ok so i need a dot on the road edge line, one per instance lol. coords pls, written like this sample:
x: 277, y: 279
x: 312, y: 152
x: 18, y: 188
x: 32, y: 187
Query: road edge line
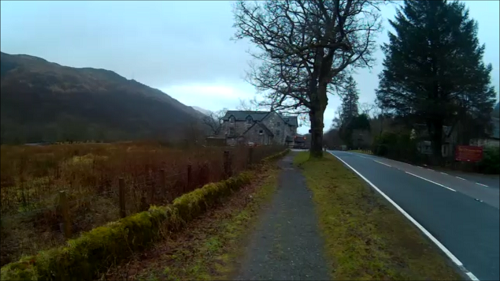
x: 447, y: 252
x: 438, y: 184
x: 383, y: 163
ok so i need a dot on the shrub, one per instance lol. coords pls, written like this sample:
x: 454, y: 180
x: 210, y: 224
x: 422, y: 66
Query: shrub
x: 396, y: 146
x: 491, y: 161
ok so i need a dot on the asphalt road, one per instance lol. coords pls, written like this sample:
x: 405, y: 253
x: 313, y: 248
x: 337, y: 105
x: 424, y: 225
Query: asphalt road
x: 462, y: 214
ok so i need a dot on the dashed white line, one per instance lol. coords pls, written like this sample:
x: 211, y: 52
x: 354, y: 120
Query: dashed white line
x: 481, y: 184
x: 383, y: 163
x: 461, y: 178
x: 418, y: 225
x: 444, y: 173
x: 431, y: 181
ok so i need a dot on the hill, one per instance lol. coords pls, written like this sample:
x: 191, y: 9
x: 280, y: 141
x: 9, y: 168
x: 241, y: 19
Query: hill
x: 202, y: 110
x: 43, y: 101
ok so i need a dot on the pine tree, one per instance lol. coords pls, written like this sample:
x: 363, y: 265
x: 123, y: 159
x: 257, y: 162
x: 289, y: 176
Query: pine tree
x: 349, y: 110
x: 350, y: 98
x: 433, y: 70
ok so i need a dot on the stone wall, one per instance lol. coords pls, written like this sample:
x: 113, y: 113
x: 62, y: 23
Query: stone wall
x: 239, y: 127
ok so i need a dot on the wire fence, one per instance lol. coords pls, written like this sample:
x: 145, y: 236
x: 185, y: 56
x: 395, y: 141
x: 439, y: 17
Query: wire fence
x: 127, y: 194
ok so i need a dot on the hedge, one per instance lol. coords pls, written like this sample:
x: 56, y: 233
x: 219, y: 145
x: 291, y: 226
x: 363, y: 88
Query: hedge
x: 94, y: 251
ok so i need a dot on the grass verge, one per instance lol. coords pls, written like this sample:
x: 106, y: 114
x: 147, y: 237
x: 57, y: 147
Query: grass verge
x: 207, y: 249
x: 365, y: 237
x: 362, y: 151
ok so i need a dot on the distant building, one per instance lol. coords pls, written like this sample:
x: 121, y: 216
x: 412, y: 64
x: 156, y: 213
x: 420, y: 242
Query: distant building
x: 494, y: 137
x: 258, y: 127
x: 424, y: 145
x: 450, y: 138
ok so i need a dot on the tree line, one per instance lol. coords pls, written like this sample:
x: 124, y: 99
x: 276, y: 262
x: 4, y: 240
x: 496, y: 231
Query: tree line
x: 433, y: 70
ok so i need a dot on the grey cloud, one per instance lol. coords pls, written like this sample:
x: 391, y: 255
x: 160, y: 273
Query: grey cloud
x: 167, y: 44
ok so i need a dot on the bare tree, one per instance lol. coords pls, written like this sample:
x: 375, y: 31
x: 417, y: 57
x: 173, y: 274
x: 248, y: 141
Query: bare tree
x: 307, y: 48
x: 214, y: 121
x: 249, y: 105
x: 368, y: 108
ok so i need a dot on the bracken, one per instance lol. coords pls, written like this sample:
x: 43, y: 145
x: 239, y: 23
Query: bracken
x: 94, y: 251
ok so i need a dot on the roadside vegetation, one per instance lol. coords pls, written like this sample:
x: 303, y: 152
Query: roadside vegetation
x: 32, y: 177
x: 208, y: 248
x: 366, y: 239
x: 362, y: 151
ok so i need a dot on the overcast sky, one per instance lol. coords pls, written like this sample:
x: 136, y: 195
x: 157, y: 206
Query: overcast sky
x: 181, y: 48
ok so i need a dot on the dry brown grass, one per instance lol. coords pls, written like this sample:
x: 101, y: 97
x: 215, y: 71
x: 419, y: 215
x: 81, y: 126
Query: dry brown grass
x: 32, y: 176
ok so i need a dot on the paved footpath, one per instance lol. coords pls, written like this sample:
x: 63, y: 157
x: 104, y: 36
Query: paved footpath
x: 286, y: 244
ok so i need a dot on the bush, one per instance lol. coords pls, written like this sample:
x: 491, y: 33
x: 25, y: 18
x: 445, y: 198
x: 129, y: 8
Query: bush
x: 395, y: 146
x: 491, y: 161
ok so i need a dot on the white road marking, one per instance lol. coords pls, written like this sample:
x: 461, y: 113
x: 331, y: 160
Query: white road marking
x: 431, y: 181
x: 481, y: 184
x: 471, y: 276
x: 382, y: 163
x: 444, y: 173
x: 418, y: 225
x: 362, y: 156
x: 461, y: 178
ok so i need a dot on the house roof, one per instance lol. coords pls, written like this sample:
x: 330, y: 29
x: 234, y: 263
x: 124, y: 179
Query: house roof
x: 422, y: 129
x: 496, y: 128
x: 496, y: 111
x: 241, y: 115
x: 264, y: 128
x: 291, y: 120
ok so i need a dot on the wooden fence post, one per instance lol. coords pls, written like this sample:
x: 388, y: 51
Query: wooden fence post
x: 121, y: 196
x: 250, y: 156
x: 63, y: 203
x: 227, y: 164
x: 163, y: 182
x: 189, y: 177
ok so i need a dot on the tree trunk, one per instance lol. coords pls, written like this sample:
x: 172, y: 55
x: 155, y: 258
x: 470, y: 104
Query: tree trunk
x: 437, y: 141
x: 316, y: 116
x: 316, y: 150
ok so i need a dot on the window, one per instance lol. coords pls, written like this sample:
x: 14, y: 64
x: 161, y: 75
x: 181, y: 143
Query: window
x: 231, y: 131
x: 249, y: 120
x: 261, y: 132
x: 231, y: 119
x: 277, y: 132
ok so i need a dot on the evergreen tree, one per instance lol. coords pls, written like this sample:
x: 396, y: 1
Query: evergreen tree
x: 433, y: 70
x: 349, y: 110
x: 350, y: 98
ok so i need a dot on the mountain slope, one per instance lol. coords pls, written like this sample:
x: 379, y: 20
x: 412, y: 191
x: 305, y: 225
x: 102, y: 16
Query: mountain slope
x: 202, y: 110
x: 44, y: 101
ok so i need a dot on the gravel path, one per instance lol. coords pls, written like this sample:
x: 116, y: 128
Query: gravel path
x: 286, y: 244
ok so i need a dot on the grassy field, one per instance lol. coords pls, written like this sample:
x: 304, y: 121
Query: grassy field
x: 33, y: 176
x: 366, y: 238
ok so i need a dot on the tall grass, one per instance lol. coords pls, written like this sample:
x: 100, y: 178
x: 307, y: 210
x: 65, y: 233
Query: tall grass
x: 32, y: 176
